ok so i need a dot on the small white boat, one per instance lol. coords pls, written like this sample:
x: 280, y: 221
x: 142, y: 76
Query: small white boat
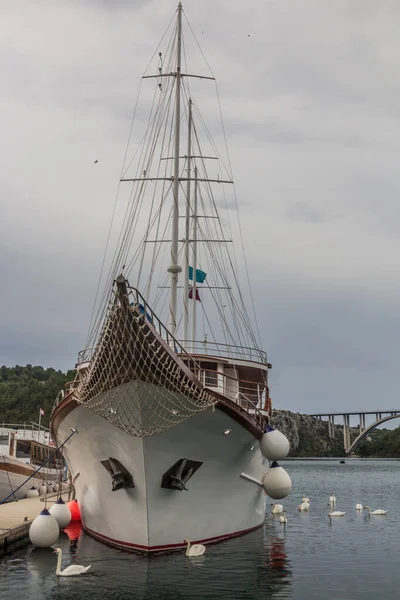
x: 23, y: 448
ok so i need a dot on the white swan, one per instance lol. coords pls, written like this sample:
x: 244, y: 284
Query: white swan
x: 303, y: 507
x: 332, y: 499
x: 359, y: 506
x: 283, y: 518
x: 71, y: 570
x: 378, y: 511
x: 336, y: 513
x: 277, y: 509
x: 305, y: 499
x: 195, y: 550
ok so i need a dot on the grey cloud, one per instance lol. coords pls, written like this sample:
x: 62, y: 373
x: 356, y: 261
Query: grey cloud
x: 311, y: 110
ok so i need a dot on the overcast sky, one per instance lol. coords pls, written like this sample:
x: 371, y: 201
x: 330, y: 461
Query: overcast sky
x: 310, y: 93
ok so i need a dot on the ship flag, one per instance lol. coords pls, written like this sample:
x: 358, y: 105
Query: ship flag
x: 200, y: 275
x: 197, y: 294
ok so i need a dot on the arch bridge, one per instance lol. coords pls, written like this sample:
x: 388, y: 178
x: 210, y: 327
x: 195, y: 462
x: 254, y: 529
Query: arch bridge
x: 380, y: 417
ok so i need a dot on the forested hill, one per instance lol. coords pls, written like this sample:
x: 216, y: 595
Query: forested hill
x: 24, y: 390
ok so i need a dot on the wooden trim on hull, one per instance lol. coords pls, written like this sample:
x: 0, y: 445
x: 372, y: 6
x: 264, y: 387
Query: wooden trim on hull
x: 63, y: 409
x: 164, y: 548
x: 20, y: 470
x: 238, y: 414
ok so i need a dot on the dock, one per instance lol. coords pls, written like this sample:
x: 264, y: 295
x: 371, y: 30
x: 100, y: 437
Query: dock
x: 16, y: 518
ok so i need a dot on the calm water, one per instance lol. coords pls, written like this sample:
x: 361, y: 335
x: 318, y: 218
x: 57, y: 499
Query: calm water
x: 355, y: 557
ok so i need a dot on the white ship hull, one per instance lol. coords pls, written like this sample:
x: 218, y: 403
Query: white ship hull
x: 218, y: 502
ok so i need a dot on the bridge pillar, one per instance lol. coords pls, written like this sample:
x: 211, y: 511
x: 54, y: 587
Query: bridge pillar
x: 362, y: 422
x: 331, y: 426
x: 346, y: 432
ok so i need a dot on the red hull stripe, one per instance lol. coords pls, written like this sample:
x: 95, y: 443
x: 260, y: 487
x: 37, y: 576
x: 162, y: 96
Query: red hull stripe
x: 140, y: 547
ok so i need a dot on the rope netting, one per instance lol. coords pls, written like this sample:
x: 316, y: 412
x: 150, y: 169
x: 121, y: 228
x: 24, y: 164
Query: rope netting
x: 139, y: 377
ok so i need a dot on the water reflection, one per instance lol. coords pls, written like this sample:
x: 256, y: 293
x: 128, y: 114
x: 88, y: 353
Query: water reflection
x: 278, y: 561
x: 313, y: 558
x: 73, y: 531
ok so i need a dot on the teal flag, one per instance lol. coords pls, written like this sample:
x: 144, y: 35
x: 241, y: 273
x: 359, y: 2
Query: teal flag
x: 200, y: 275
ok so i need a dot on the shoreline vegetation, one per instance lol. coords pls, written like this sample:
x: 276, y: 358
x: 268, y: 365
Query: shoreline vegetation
x: 25, y: 389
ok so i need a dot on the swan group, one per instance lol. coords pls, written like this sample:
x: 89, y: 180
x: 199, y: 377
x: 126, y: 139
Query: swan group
x: 305, y: 507
x: 71, y: 570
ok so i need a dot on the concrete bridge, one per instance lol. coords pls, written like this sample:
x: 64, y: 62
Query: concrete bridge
x: 379, y: 417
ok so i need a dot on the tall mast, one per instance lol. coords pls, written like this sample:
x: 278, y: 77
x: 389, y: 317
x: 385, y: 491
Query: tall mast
x: 194, y: 261
x: 187, y: 233
x: 174, y: 269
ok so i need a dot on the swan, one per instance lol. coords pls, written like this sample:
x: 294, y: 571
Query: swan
x: 359, y: 506
x: 195, y: 550
x: 283, y: 518
x: 336, y: 513
x: 378, y: 511
x: 303, y: 507
x: 71, y: 570
x: 305, y: 499
x: 277, y: 509
x: 332, y: 499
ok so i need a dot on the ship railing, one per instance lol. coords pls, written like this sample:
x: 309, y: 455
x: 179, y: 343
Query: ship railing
x: 184, y: 347
x: 85, y: 355
x: 249, y: 395
x: 137, y: 302
x: 204, y: 348
x: 260, y: 415
x: 216, y: 349
x: 234, y: 387
x: 27, y: 431
x: 24, y: 426
x: 69, y: 387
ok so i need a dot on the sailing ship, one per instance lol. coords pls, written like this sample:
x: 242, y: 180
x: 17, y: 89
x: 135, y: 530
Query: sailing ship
x: 169, y: 417
x: 24, y: 448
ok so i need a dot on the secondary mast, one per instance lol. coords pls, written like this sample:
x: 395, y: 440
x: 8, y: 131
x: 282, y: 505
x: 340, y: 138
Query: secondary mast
x: 174, y: 269
x: 194, y: 260
x: 187, y: 233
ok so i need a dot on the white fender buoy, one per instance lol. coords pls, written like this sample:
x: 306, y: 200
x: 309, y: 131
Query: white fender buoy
x: 274, y: 445
x: 32, y: 493
x: 44, y: 530
x: 42, y: 490
x: 61, y: 513
x: 277, y: 482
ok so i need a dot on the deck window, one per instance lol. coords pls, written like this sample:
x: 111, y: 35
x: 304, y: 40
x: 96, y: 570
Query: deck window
x: 210, y: 374
x: 23, y: 450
